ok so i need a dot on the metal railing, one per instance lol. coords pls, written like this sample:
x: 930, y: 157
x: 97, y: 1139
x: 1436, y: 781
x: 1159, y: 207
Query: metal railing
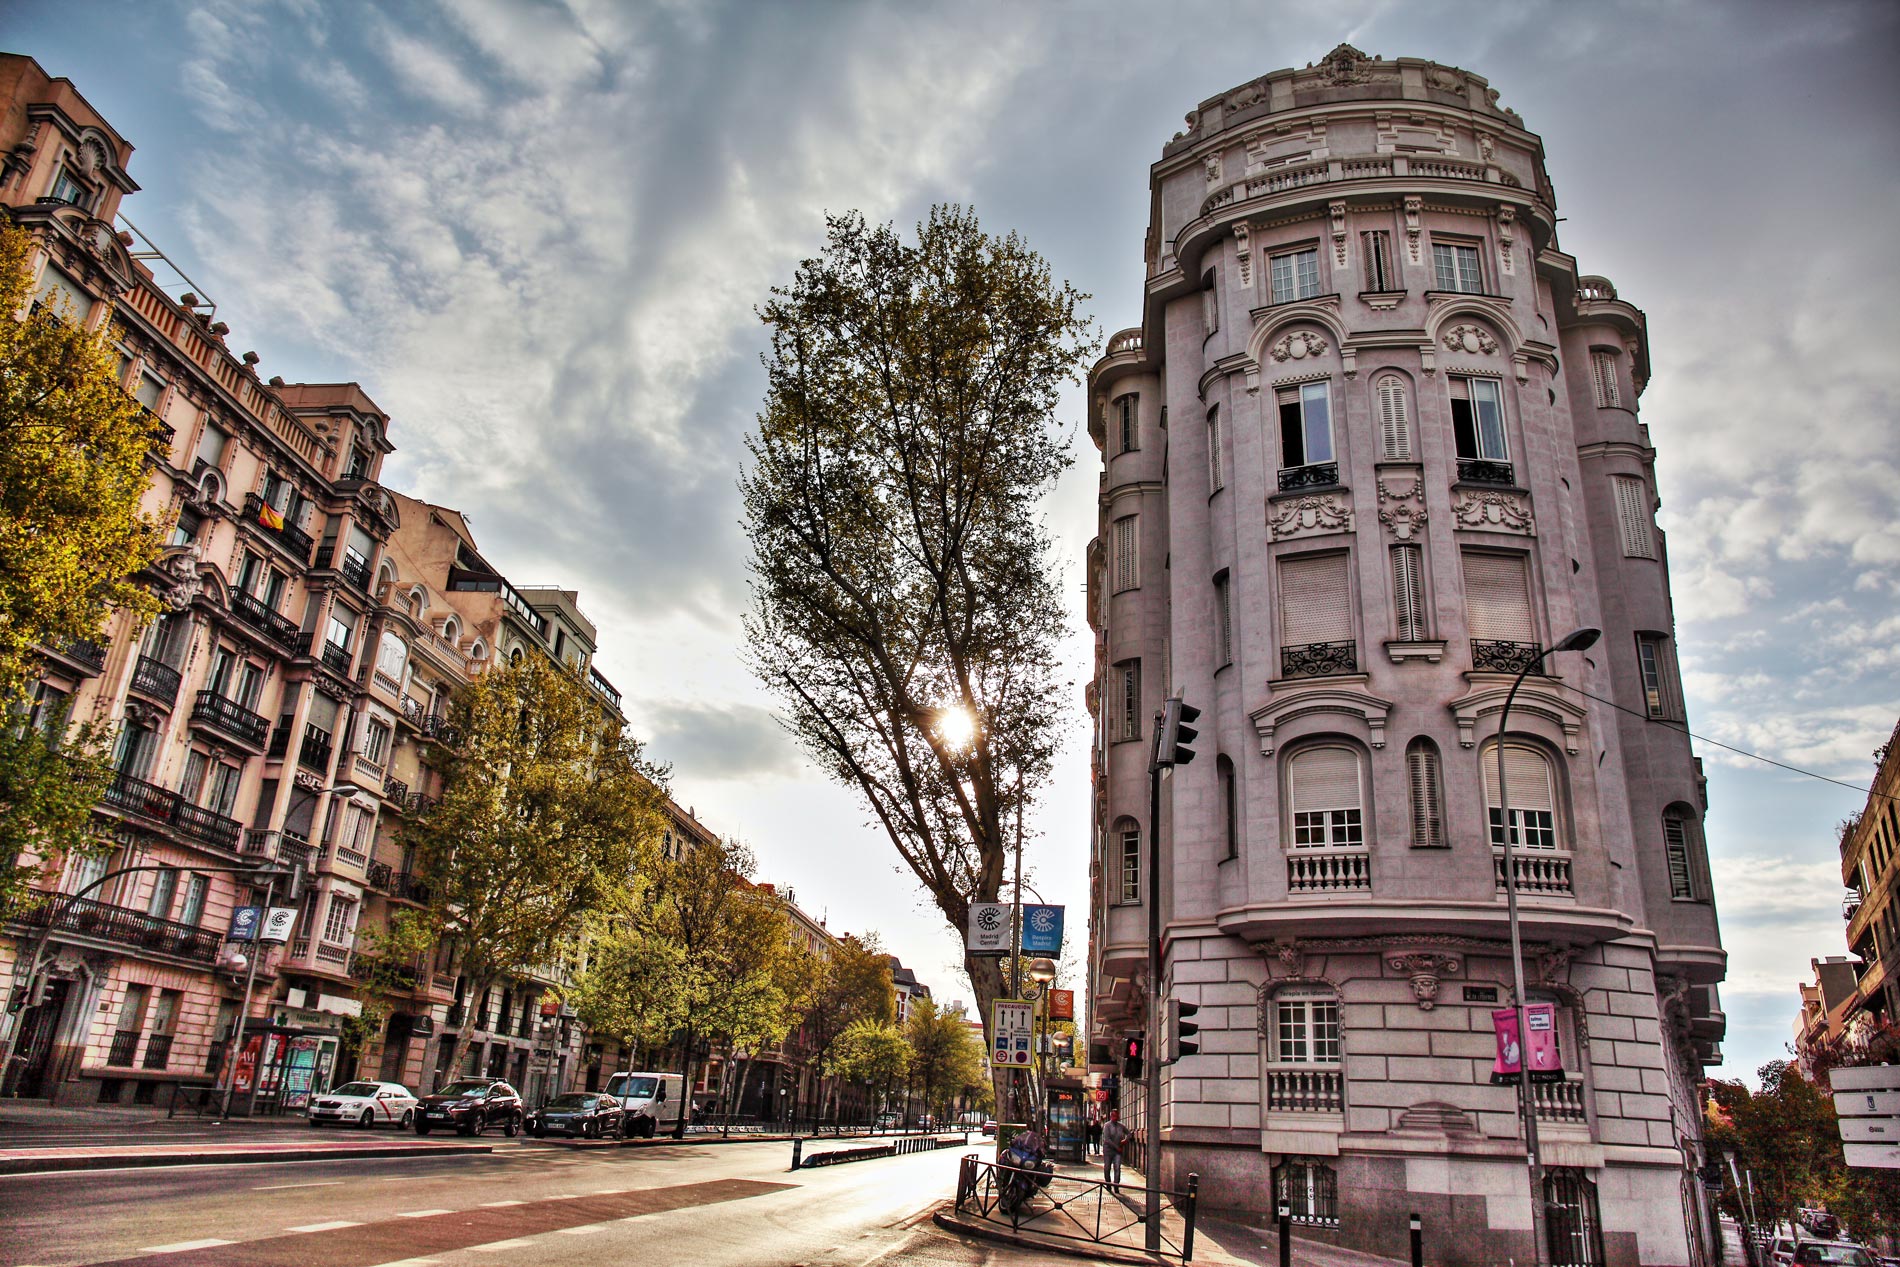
x: 1085, y: 1210
x: 337, y: 659
x: 253, y: 612
x: 1504, y: 657
x: 1312, y: 475
x: 87, y: 651
x: 314, y: 752
x: 155, y: 679
x: 295, y: 541
x: 1319, y: 659
x: 135, y: 796
x: 1486, y: 471
x: 125, y: 926
x: 124, y: 1048
x: 353, y: 569
x: 394, y: 788
x: 231, y: 717
x: 897, y: 1146
x: 158, y: 1051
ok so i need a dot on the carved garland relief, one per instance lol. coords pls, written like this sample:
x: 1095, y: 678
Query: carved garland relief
x: 1402, y: 509
x: 1309, y: 516
x: 1425, y: 968
x: 1493, y: 509
x: 1475, y: 340
x: 1298, y: 346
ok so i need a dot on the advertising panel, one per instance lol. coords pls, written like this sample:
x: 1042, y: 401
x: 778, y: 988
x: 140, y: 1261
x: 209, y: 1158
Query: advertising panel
x: 1538, y: 1043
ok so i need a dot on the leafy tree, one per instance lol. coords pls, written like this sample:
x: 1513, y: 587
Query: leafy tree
x: 905, y: 611
x: 946, y: 1059
x: 49, y: 783
x: 1786, y: 1133
x: 548, y: 812
x: 872, y: 1053
x: 851, y: 984
x: 628, y: 986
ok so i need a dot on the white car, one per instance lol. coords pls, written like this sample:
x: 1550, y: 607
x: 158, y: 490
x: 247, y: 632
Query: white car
x: 366, y: 1104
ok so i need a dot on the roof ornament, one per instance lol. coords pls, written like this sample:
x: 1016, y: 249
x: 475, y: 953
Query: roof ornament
x: 1345, y: 65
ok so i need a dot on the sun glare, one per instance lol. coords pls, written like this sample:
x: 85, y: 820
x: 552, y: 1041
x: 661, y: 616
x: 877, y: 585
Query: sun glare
x: 956, y: 727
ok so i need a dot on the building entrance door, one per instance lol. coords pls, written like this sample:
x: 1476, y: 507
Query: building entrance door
x: 33, y: 1054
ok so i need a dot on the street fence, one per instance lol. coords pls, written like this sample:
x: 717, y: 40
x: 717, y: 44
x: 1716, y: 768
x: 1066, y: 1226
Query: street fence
x: 897, y: 1147
x: 1085, y: 1210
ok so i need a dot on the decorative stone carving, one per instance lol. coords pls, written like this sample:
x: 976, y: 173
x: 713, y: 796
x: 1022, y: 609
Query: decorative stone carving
x: 1252, y: 95
x: 1290, y: 958
x: 1309, y: 516
x: 1402, y: 509
x: 1553, y: 966
x: 1243, y: 251
x: 1475, y: 340
x: 1211, y: 167
x: 1414, y: 208
x: 1298, y: 346
x: 1425, y: 968
x: 1338, y: 212
x: 1507, y: 217
x: 175, y: 575
x: 1345, y: 65
x: 1493, y: 509
x: 1444, y: 78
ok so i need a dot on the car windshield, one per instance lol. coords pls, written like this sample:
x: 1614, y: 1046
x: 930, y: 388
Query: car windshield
x: 571, y: 1101
x: 632, y: 1088
x: 473, y: 1089
x: 357, y: 1088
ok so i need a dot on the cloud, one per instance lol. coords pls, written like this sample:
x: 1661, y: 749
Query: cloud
x: 708, y: 742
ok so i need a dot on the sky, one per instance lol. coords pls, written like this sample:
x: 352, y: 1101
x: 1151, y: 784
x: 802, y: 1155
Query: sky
x: 536, y: 231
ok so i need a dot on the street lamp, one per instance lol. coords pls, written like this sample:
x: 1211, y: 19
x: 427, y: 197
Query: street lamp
x: 1577, y: 640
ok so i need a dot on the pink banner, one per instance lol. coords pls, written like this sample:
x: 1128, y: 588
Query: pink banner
x: 1539, y: 1041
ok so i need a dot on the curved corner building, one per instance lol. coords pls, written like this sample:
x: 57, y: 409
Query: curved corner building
x: 1374, y: 445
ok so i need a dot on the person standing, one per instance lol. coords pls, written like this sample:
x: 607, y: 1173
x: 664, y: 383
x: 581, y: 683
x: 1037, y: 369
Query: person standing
x: 1114, y: 1136
x: 1095, y: 1131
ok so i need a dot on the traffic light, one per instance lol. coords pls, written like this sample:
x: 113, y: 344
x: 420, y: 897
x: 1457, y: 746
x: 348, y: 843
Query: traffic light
x: 1177, y: 1037
x: 1177, y: 732
x: 1131, y: 1056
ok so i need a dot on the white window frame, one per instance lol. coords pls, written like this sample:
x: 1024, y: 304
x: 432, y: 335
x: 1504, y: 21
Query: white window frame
x: 339, y: 920
x: 1535, y: 829
x: 1303, y: 397
x: 1490, y: 438
x: 1326, y: 826
x: 1128, y: 862
x: 1652, y: 667
x: 1466, y: 271
x: 1679, y: 857
x: 1375, y: 249
x: 1127, y: 703
x: 1293, y: 275
x: 376, y: 738
x: 1306, y: 1028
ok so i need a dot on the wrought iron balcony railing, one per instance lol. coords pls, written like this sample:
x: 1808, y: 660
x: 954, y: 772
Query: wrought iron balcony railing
x: 149, y: 801
x: 1503, y: 657
x: 314, y: 752
x: 410, y: 888
x: 1319, y: 659
x: 395, y: 789
x: 125, y: 927
x: 1486, y: 471
x: 355, y: 570
x: 292, y: 539
x: 379, y: 875
x: 158, y: 1051
x: 231, y: 717
x: 156, y: 680
x: 125, y: 1046
x: 1312, y: 475
x: 336, y: 659
x: 85, y: 651
x: 252, y: 612
x: 209, y: 826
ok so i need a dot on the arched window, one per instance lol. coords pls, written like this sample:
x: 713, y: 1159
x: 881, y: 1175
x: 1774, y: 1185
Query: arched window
x: 1426, y: 786
x: 385, y: 575
x: 1127, y: 841
x: 418, y: 602
x: 514, y: 657
x: 1681, y: 847
x: 1323, y: 789
x: 1229, y: 804
x: 1310, y: 1189
x: 450, y: 632
x: 1532, y: 787
x: 1575, y: 1229
x: 478, y: 651
x: 1395, y: 431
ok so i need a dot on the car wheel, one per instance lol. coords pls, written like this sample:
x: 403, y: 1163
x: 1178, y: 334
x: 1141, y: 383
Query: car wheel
x: 540, y: 1132
x: 314, y: 1124
x: 591, y: 1130
x: 471, y: 1126
x: 367, y: 1120
x: 512, y: 1127
x: 408, y: 1118
x: 648, y: 1128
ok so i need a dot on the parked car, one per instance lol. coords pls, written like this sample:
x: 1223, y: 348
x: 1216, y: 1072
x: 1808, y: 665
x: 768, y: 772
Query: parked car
x: 889, y: 1119
x: 582, y: 1113
x: 1832, y: 1254
x: 471, y: 1106
x: 989, y: 1127
x: 1781, y: 1250
x: 366, y: 1104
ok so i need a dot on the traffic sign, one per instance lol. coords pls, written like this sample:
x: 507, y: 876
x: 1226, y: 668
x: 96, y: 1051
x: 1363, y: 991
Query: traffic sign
x: 1012, y: 1028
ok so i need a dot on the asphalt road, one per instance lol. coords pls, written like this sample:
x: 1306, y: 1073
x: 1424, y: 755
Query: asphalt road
x: 707, y: 1206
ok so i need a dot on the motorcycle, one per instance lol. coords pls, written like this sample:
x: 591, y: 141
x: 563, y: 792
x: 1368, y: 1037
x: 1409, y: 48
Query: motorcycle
x: 1024, y: 1172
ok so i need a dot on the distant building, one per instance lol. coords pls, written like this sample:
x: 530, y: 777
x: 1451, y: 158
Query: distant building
x: 1826, y: 1004
x: 909, y: 988
x: 1870, y: 870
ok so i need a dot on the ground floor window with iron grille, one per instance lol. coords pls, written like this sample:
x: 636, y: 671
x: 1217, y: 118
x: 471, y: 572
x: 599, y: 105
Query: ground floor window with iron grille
x: 1310, y: 1190
x: 1576, y: 1233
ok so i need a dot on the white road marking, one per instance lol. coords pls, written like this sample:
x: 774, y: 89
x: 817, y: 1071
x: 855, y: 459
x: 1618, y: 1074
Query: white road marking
x: 491, y: 1205
x: 420, y: 1214
x: 589, y: 1230
x: 324, y: 1227
x: 495, y: 1247
x: 180, y: 1247
x: 277, y: 1187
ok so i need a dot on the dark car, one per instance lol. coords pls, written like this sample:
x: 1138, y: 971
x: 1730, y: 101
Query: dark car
x: 577, y: 1113
x: 471, y: 1106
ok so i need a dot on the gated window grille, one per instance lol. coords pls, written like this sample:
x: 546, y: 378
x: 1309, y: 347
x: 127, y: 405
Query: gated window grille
x: 1310, y: 1190
x: 1575, y: 1231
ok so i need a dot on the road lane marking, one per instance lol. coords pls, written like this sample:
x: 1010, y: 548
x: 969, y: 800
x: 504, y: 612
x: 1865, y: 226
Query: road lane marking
x: 324, y: 1227
x: 319, y: 1183
x: 180, y: 1247
x: 420, y: 1214
x: 495, y: 1247
x: 491, y: 1205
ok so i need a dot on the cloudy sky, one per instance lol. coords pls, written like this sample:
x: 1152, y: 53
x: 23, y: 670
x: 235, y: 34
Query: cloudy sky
x: 536, y: 230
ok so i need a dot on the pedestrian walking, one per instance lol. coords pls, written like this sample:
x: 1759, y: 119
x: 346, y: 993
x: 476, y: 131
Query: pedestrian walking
x: 1114, y: 1136
x: 1095, y: 1131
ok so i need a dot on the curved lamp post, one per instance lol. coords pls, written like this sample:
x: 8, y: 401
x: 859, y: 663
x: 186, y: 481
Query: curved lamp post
x: 1576, y: 641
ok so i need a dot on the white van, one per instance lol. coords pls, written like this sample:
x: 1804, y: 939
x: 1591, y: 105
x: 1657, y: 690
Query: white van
x: 651, y: 1102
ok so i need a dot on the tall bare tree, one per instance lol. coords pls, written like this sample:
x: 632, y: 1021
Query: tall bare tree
x: 905, y: 610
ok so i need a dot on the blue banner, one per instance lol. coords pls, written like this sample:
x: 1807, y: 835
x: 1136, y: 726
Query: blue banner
x: 244, y: 922
x: 1042, y: 930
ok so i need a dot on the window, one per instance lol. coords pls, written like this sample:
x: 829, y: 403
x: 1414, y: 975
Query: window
x: 1427, y: 794
x: 1306, y: 1026
x: 1223, y: 620
x: 1127, y: 703
x: 1216, y: 460
x: 1408, y: 593
x: 1477, y: 419
x: 137, y: 747
x: 1532, y: 790
x: 357, y: 550
x: 250, y: 684
x: 339, y: 920
x: 149, y: 391
x: 1632, y: 517
x: 1651, y: 663
x: 391, y: 655
x: 197, y: 765
x: 86, y: 870
x: 194, y: 908
x: 164, y: 889
x: 1127, y: 553
x: 1603, y: 378
x: 375, y: 743
x: 1497, y: 598
x: 1315, y: 603
x: 341, y: 628
x: 1128, y: 846
x: 185, y: 531
x: 1127, y: 424
x: 1395, y: 436
x: 1294, y: 275
x: 69, y: 189
x: 1323, y: 790
x: 1229, y: 804
x: 1310, y: 1190
x: 63, y: 297
x: 1210, y: 302
x: 1456, y: 267
x: 224, y: 788
x: 211, y: 446
x: 1306, y: 427
x: 1676, y: 849
x: 1376, y: 250
x: 47, y: 714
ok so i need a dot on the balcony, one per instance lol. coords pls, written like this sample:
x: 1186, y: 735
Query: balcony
x: 1540, y: 872
x: 85, y: 652
x: 158, y: 1051
x: 1312, y: 475
x: 293, y: 540
x: 1486, y: 471
x: 602, y: 687
x: 160, y: 805
x: 208, y: 826
x: 1308, y: 1089
x: 419, y: 803
x: 431, y: 725
x: 156, y: 680
x: 123, y: 926
x: 1559, y: 1102
x: 394, y: 789
x: 1503, y: 657
x: 125, y: 1046
x: 230, y: 718
x: 410, y: 888
x: 1319, y: 659
x: 314, y: 752
x: 336, y: 659
x: 252, y: 612
x: 1328, y: 871
x: 353, y: 568
x: 379, y: 876
x: 287, y: 847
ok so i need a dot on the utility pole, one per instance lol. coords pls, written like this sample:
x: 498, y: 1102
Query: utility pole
x: 244, y: 1011
x: 1172, y: 735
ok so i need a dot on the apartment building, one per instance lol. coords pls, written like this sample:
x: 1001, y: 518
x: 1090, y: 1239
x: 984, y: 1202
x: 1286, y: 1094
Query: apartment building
x: 1870, y: 871
x: 1373, y: 447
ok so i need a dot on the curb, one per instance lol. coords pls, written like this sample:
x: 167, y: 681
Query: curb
x: 658, y: 1141
x: 100, y: 1161
x: 945, y: 1217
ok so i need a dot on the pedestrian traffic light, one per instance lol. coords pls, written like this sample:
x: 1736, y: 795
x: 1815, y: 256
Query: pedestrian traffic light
x: 1177, y: 733
x: 1177, y: 1037
x: 1131, y: 1056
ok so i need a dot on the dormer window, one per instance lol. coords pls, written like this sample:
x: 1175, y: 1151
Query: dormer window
x: 70, y: 190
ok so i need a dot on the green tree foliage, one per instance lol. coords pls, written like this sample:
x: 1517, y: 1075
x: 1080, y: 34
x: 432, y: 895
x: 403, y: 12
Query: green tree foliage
x: 73, y: 472
x: 548, y: 812
x: 1786, y: 1133
x: 851, y: 984
x: 871, y: 1053
x: 49, y: 782
x: 901, y: 576
x: 946, y: 1060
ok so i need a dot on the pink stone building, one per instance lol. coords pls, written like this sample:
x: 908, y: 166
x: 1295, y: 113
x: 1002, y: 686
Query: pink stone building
x: 1373, y: 445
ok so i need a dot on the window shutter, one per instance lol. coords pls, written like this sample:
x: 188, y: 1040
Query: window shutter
x: 1632, y: 517
x: 1223, y: 620
x: 1603, y: 376
x: 1325, y: 778
x: 1127, y: 564
x: 1497, y: 598
x: 1676, y: 844
x: 1394, y: 436
x: 1216, y: 475
x: 1528, y: 773
x: 1408, y: 592
x: 1315, y: 605
x: 1428, y: 810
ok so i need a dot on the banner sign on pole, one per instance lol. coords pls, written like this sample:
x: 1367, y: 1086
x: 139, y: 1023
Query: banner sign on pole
x: 244, y: 922
x: 278, y: 922
x: 989, y: 929
x: 1538, y: 1044
x: 1062, y: 1005
x: 1012, y: 1026
x: 1042, y: 930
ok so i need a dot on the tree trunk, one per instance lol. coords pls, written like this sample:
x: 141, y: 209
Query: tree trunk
x: 477, y: 995
x: 686, y: 1084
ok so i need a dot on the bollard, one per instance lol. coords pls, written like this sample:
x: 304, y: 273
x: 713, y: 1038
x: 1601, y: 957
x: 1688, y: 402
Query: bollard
x: 1286, y: 1235
x: 1187, y: 1237
x: 798, y: 1150
x: 1418, y: 1242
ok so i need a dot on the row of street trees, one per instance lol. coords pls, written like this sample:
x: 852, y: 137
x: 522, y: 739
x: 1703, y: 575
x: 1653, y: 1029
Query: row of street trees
x: 932, y: 1056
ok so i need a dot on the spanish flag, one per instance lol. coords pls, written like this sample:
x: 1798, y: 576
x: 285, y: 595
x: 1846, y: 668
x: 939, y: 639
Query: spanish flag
x: 269, y: 517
